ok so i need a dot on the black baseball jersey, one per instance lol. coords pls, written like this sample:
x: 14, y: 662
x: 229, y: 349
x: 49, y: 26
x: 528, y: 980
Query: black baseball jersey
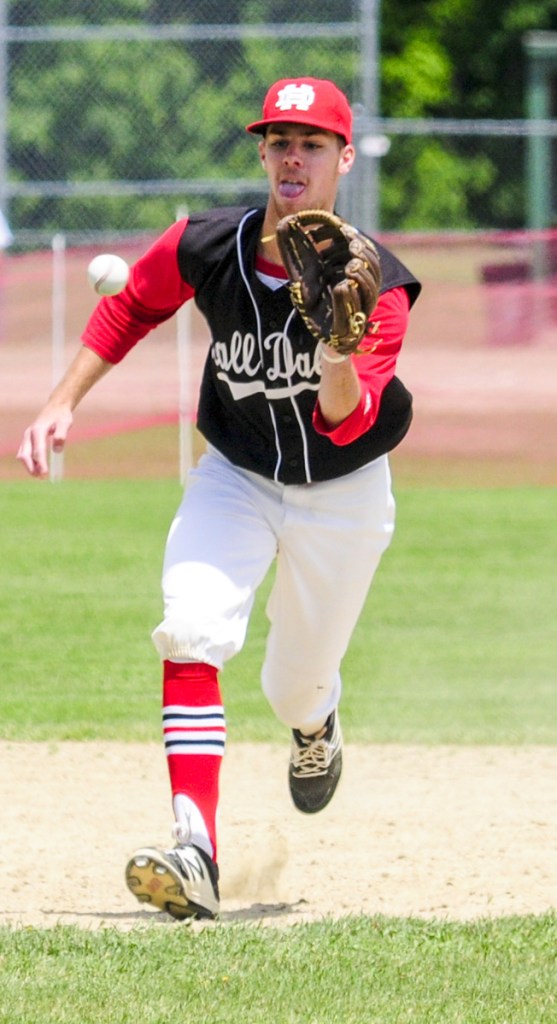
x: 262, y: 373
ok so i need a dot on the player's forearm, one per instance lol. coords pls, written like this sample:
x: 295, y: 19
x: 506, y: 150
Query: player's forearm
x: 339, y: 391
x: 83, y: 372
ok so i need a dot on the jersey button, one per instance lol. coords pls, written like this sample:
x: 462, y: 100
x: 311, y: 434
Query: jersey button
x: 293, y: 463
x: 287, y: 418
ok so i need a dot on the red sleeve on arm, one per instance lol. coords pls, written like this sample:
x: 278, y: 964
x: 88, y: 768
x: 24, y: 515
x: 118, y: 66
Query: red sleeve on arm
x: 155, y: 291
x: 375, y: 367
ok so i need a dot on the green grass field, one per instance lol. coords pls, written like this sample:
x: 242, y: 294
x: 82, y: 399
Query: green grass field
x: 356, y: 971
x: 456, y: 645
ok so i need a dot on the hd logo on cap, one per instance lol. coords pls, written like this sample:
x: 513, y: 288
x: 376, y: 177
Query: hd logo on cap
x: 299, y: 96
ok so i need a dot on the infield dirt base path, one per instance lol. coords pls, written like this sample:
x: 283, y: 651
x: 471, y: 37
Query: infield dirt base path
x: 449, y: 832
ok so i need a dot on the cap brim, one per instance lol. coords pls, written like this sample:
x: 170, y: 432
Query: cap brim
x: 292, y: 117
x: 259, y: 127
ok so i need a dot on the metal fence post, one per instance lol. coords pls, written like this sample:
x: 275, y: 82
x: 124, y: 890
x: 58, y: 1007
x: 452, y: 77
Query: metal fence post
x: 368, y: 170
x: 3, y: 109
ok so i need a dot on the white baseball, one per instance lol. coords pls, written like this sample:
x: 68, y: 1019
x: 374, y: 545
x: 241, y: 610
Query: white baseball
x: 108, y: 274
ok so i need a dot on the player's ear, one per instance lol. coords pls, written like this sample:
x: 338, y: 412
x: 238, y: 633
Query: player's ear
x: 261, y: 148
x: 346, y: 159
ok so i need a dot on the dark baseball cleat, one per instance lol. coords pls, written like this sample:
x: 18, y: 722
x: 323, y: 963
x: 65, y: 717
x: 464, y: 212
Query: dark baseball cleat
x: 315, y: 766
x: 183, y: 882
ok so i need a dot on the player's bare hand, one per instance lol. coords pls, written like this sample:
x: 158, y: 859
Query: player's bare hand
x: 49, y: 429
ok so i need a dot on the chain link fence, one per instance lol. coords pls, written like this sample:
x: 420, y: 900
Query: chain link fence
x: 111, y: 125
x: 114, y: 117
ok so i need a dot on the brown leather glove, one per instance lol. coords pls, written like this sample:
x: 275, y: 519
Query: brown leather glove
x: 334, y: 275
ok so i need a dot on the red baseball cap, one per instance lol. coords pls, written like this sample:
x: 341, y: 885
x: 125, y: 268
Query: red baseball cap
x: 313, y: 101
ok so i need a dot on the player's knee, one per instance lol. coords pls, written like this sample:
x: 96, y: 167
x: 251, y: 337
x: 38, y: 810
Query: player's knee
x: 301, y: 692
x: 293, y: 701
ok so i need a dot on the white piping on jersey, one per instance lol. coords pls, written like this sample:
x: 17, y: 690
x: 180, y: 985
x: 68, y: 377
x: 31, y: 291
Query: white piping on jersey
x: 294, y: 405
x: 292, y: 389
x: 246, y: 217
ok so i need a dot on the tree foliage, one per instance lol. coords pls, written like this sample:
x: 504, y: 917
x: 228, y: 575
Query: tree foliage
x: 458, y: 59
x: 119, y: 110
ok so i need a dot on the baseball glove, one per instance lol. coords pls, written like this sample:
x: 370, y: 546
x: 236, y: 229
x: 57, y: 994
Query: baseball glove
x: 334, y: 276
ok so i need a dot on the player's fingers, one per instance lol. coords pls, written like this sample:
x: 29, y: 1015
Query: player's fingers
x: 58, y: 441
x: 32, y: 453
x: 59, y: 430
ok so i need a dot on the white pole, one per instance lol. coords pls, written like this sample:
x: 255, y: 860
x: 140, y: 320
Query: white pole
x: 4, y: 17
x: 370, y: 49
x: 183, y: 338
x: 58, y: 333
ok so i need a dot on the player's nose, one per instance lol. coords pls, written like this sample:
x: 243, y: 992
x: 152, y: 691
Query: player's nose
x: 293, y: 154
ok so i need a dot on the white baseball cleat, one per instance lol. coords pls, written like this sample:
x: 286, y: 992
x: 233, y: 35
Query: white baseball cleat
x: 182, y: 882
x: 315, y: 766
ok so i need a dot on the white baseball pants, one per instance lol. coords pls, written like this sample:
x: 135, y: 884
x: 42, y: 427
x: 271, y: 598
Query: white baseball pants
x: 327, y: 539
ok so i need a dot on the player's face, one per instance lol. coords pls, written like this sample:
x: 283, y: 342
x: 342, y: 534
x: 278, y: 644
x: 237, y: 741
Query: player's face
x: 303, y: 165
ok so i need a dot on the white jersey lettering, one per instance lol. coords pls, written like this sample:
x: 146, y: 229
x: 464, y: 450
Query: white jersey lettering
x: 240, y: 355
x: 238, y: 363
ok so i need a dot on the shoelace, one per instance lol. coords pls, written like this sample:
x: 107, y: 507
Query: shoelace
x: 313, y: 758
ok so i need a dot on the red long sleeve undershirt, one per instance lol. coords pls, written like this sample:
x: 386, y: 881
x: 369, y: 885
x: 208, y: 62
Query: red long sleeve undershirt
x: 156, y: 291
x: 375, y: 367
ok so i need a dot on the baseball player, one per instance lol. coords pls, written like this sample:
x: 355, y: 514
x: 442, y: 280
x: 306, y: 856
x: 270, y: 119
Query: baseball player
x: 295, y: 472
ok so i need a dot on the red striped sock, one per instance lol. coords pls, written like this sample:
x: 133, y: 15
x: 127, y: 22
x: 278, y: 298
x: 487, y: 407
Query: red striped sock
x: 194, y: 736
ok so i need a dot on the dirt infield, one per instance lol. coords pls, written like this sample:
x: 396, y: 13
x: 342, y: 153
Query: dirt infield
x: 451, y: 833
